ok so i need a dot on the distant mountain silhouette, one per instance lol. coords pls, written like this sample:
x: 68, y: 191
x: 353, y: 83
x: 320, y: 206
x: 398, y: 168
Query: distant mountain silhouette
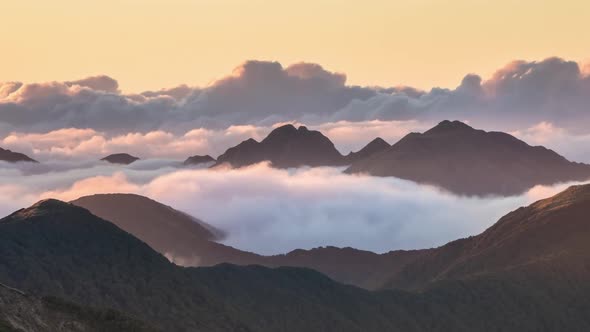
x: 467, y: 161
x: 375, y: 146
x: 196, y: 160
x: 120, y: 158
x: 285, y: 147
x: 13, y: 157
x: 529, y: 272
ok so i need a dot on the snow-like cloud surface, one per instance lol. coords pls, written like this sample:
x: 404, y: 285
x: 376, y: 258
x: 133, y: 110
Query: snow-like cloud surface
x: 273, y: 211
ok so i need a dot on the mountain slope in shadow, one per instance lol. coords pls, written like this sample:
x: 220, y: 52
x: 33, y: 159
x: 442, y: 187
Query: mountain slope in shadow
x: 55, y: 248
x: 21, y: 312
x: 188, y: 241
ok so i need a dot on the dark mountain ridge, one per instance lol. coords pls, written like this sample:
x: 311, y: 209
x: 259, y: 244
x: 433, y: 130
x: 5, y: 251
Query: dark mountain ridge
x: 190, y: 242
x: 287, y: 146
x: 180, y: 237
x: 375, y: 146
x: 120, y: 158
x: 196, y: 160
x: 542, y: 239
x: 399, y: 269
x: 466, y: 161
x: 475, y: 284
x: 14, y: 157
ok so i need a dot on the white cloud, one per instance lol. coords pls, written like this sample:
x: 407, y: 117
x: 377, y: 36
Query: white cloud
x: 273, y: 211
x: 88, y: 144
x: 572, y: 145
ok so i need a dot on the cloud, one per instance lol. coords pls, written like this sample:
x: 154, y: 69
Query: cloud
x: 273, y: 211
x: 572, y: 145
x: 89, y: 144
x: 261, y: 94
x: 99, y: 83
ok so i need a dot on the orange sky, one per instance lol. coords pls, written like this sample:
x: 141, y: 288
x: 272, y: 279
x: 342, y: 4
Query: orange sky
x: 150, y: 44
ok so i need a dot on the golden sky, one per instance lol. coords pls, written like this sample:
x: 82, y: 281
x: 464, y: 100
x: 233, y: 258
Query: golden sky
x: 151, y: 44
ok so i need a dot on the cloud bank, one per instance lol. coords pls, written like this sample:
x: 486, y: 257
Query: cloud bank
x: 272, y: 211
x: 88, y: 144
x: 264, y: 93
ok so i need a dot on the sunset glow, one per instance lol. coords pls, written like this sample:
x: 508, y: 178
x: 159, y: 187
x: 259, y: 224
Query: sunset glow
x: 152, y: 44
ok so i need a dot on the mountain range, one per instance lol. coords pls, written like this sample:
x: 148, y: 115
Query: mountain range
x: 189, y: 241
x: 452, y: 156
x: 467, y: 161
x: 285, y: 147
x: 528, y: 272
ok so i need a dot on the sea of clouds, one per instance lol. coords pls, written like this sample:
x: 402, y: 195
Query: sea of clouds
x: 272, y: 211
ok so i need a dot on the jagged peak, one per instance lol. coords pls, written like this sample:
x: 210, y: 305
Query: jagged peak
x: 378, y: 142
x: 284, y: 128
x: 448, y: 126
x: 249, y: 141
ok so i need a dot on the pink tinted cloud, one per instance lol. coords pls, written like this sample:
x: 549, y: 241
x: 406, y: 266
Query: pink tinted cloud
x: 273, y: 211
x: 72, y: 143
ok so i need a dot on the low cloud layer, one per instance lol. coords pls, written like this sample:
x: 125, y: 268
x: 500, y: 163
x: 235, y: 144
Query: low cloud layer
x: 264, y: 93
x: 272, y: 211
x: 89, y: 144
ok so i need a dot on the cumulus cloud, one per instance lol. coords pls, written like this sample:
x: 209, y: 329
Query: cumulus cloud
x: 99, y: 83
x: 264, y: 93
x: 572, y: 145
x: 273, y: 211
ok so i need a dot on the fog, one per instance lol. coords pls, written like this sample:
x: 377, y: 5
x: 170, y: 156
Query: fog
x: 271, y: 211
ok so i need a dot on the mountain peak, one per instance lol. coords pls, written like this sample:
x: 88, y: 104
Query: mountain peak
x: 42, y: 208
x: 375, y: 146
x: 13, y: 157
x: 377, y: 142
x: 448, y: 126
x: 285, y: 146
x: 120, y: 158
x: 469, y: 161
x: 49, y: 203
x: 197, y: 159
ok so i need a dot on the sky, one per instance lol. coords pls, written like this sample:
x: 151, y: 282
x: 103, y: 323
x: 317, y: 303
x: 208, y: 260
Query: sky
x: 153, y: 44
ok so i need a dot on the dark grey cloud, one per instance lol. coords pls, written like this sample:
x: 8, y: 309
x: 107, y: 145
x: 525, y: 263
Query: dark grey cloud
x: 263, y: 93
